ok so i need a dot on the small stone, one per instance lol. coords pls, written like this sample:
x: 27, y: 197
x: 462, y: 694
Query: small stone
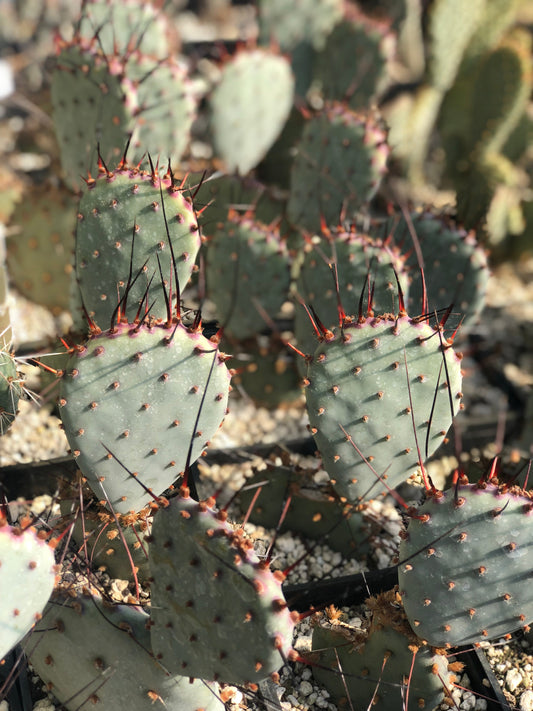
x: 306, y: 688
x: 513, y: 679
x: 526, y: 701
x: 468, y: 702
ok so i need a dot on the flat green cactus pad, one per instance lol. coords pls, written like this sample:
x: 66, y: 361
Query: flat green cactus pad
x: 27, y: 577
x: 340, y: 161
x: 380, y: 667
x: 122, y: 227
x: 381, y: 390
x: 465, y: 566
x: 138, y: 404
x: 218, y: 612
x: 249, y: 107
x: 92, y: 652
x: 308, y: 21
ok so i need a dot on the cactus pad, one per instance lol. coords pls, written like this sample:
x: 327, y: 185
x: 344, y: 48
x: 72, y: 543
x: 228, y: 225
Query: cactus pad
x: 466, y: 570
x: 356, y: 257
x: 379, y: 667
x: 27, y: 577
x: 308, y: 21
x: 198, y: 629
x: 249, y: 107
x: 92, y: 652
x: 39, y: 252
x: 455, y: 267
x: 121, y: 224
x: 247, y: 275
x: 381, y: 389
x: 124, y: 28
x: 340, y: 161
x: 352, y: 65
x: 153, y: 396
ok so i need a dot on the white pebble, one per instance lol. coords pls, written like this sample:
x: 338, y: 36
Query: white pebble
x: 306, y: 688
x: 307, y: 674
x: 526, y: 701
x: 469, y: 702
x: 513, y: 679
x: 7, y: 81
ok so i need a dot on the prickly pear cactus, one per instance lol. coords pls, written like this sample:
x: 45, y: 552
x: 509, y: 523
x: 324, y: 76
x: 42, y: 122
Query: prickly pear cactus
x: 380, y: 666
x: 308, y: 21
x: 139, y: 403
x: 314, y: 511
x: 27, y: 577
x: 455, y: 266
x: 465, y: 572
x: 357, y: 258
x: 197, y: 628
x: 92, y: 651
x: 125, y: 27
x: 340, y: 161
x: 122, y: 229
x: 381, y: 394
x: 352, y: 65
x: 113, y: 100
x: 249, y: 107
x: 247, y: 275
x: 40, y: 248
x: 11, y: 389
x: 266, y: 371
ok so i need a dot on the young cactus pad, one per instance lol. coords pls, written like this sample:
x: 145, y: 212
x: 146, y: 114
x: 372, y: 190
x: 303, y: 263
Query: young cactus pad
x: 466, y: 570
x: 249, y: 107
x: 92, y: 653
x: 379, y: 392
x: 27, y: 577
x: 147, y: 397
x: 122, y: 225
x: 217, y: 610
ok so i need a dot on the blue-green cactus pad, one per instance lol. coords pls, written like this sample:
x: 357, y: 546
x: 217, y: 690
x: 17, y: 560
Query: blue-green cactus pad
x: 249, y: 107
x: 153, y: 395
x: 91, y: 652
x: 27, y: 577
x: 122, y: 224
x: 218, y: 612
x: 465, y: 565
x: 372, y: 391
